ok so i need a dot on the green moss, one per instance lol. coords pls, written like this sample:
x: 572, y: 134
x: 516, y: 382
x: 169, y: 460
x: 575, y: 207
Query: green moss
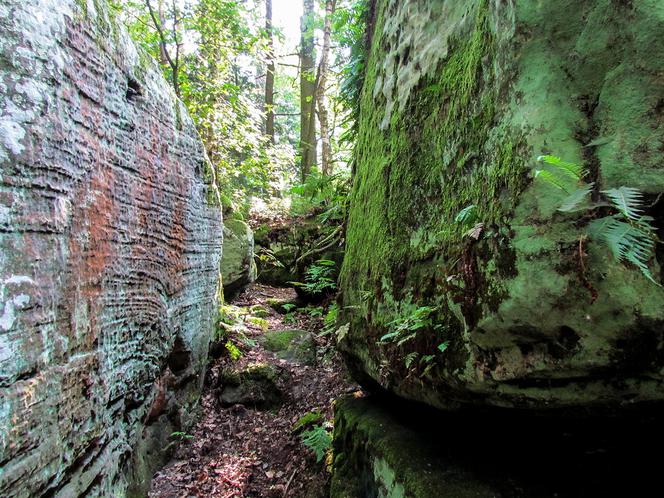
x: 441, y: 153
x: 280, y: 340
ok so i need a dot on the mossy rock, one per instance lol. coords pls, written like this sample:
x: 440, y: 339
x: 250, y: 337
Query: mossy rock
x: 256, y: 385
x: 458, y: 120
x: 284, y: 306
x: 293, y: 345
x: 376, y: 455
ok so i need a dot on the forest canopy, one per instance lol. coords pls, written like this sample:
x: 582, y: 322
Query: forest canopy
x: 276, y: 115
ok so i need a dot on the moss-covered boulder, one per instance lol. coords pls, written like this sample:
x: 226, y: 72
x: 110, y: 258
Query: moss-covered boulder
x: 286, y: 251
x: 459, y: 99
x: 257, y: 385
x: 238, y: 268
x: 291, y: 344
x: 407, y: 450
x: 376, y: 455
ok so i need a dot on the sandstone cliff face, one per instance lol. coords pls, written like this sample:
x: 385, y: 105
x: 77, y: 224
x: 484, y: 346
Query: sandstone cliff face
x: 109, y: 254
x: 459, y: 99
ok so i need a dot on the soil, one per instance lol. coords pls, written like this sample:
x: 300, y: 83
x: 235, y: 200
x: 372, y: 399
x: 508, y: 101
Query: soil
x: 241, y: 451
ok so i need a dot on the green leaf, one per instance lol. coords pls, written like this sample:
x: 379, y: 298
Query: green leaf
x: 627, y: 242
x: 576, y: 199
x: 572, y: 170
x: 410, y: 358
x: 318, y: 440
x: 551, y: 179
x: 443, y: 347
x: 467, y: 215
x: 626, y: 200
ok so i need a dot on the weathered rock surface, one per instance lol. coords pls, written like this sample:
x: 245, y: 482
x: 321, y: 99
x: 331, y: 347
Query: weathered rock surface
x: 238, y: 268
x: 109, y: 255
x: 459, y: 99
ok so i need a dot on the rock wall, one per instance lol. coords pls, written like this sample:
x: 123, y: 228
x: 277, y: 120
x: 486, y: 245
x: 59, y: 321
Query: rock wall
x: 109, y: 255
x: 459, y: 99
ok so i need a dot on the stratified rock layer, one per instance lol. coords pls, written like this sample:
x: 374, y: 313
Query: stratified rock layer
x: 459, y: 99
x: 109, y: 254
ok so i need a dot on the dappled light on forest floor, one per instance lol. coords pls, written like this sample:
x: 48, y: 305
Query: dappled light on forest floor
x: 245, y: 443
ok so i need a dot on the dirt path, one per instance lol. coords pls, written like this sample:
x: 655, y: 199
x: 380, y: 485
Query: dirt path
x: 249, y: 449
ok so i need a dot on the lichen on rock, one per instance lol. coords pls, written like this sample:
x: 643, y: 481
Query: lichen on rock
x: 109, y: 255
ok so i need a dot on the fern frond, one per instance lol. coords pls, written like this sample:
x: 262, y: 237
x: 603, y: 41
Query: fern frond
x: 576, y: 198
x: 626, y: 200
x: 318, y: 440
x: 410, y: 358
x: 627, y: 242
x: 572, y: 170
x: 552, y: 179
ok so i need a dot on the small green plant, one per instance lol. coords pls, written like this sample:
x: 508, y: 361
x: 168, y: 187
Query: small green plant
x: 318, y: 440
x: 330, y: 320
x: 181, y: 436
x: 628, y: 232
x: 405, y: 328
x: 320, y: 278
x: 288, y: 307
x: 233, y: 351
x: 307, y: 420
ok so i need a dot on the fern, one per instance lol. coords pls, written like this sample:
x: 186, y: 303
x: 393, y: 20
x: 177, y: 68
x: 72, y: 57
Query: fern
x: 410, y: 358
x: 576, y: 199
x: 318, y: 440
x: 629, y: 235
x: 626, y: 200
x: 571, y: 170
x: 627, y: 241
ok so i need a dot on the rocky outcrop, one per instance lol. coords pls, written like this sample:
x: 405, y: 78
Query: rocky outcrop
x: 404, y: 450
x: 287, y: 250
x: 109, y: 255
x: 238, y: 268
x: 520, y: 309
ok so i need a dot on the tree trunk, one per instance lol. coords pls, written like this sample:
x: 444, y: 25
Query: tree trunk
x: 321, y: 84
x: 307, y: 91
x: 269, y: 77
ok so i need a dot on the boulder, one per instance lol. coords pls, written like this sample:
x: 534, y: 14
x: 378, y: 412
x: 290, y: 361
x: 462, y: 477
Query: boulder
x: 109, y: 255
x: 459, y: 99
x: 257, y: 385
x: 291, y: 344
x: 389, y: 449
x: 238, y: 268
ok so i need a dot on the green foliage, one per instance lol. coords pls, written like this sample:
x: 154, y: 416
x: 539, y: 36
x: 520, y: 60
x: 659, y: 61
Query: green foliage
x: 628, y: 234
x: 349, y: 30
x: 181, y: 436
x: 233, y: 350
x: 467, y: 215
x: 404, y: 328
x: 317, y: 439
x: 320, y: 278
x: 325, y: 195
x: 307, y: 420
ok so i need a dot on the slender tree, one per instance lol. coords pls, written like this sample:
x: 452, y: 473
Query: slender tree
x: 269, y: 77
x: 307, y: 91
x: 173, y: 60
x: 321, y: 88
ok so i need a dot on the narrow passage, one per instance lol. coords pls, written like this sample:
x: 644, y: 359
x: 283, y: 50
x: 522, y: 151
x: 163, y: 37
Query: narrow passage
x: 246, y: 443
